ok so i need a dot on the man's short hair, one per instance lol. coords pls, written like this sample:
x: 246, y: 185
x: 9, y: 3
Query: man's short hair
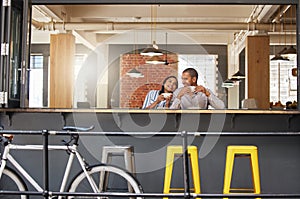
x: 192, y: 72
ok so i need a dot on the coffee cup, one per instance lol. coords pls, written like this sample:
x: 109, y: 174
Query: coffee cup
x: 166, y: 95
x: 192, y: 88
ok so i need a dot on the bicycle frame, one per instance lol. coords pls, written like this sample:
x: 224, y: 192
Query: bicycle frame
x: 73, y: 151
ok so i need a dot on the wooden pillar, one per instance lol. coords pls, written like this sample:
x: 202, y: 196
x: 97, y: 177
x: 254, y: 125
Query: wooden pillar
x: 258, y: 69
x: 62, y: 51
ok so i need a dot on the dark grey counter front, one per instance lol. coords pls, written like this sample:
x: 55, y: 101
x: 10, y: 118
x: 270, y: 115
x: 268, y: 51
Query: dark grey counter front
x: 279, y: 158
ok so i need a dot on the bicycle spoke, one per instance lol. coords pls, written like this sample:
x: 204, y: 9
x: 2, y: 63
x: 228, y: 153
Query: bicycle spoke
x: 117, y: 181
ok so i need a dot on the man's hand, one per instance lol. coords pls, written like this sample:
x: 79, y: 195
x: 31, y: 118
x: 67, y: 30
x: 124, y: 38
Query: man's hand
x: 202, y: 89
x: 183, y: 91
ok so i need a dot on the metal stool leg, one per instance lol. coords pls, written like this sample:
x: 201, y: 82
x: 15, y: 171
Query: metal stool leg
x: 107, y: 152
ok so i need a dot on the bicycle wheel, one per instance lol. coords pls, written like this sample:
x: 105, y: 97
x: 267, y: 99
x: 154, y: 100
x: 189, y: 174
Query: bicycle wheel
x: 118, y: 180
x: 10, y: 181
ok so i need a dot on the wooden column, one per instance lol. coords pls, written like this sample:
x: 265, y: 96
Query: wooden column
x: 62, y: 51
x: 257, y: 62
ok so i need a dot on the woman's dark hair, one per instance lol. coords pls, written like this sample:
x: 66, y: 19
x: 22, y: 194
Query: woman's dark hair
x: 162, y: 90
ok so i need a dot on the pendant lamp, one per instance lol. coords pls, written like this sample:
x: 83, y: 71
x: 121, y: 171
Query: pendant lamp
x: 291, y: 50
x: 228, y: 83
x: 134, y: 73
x: 155, y: 60
x: 152, y: 50
x: 238, y: 75
x: 279, y: 58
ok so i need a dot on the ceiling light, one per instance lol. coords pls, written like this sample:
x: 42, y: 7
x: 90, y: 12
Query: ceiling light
x: 279, y: 58
x: 290, y: 51
x: 134, y: 73
x: 228, y: 83
x: 152, y: 50
x: 238, y: 75
x: 282, y: 51
x: 155, y: 60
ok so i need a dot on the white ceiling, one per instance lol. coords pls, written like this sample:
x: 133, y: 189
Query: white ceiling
x: 205, y: 24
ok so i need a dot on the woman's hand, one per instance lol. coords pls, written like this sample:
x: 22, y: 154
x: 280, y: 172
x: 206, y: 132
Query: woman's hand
x: 168, y: 100
x: 157, y: 101
x: 160, y: 98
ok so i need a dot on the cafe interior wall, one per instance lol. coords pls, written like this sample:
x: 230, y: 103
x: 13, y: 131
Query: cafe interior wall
x: 114, y: 70
x: 102, y: 77
x: 133, y: 90
x: 116, y: 51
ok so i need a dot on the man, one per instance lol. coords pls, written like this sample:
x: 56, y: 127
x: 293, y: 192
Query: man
x: 193, y: 95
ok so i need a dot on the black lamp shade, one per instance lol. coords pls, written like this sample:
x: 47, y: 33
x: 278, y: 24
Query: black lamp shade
x: 279, y: 58
x: 134, y: 73
x: 282, y: 51
x: 228, y: 83
x: 155, y: 60
x: 238, y: 75
x: 290, y: 51
x: 151, y: 51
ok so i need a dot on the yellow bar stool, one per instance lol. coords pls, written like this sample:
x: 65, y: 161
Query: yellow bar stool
x: 241, y: 151
x: 193, y: 155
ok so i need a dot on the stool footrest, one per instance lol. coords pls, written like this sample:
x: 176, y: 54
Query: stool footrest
x: 180, y: 189
x: 241, y: 189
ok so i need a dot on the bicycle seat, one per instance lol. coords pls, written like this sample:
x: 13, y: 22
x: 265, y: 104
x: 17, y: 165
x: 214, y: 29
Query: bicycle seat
x: 77, y: 128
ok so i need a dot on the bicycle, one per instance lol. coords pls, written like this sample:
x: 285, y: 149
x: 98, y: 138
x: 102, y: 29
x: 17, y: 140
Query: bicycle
x: 87, y: 180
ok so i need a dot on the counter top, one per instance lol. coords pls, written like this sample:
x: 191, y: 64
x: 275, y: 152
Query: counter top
x: 154, y: 111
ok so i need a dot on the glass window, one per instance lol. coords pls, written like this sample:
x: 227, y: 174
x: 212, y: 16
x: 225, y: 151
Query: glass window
x: 36, y: 81
x: 283, y: 85
x: 206, y: 66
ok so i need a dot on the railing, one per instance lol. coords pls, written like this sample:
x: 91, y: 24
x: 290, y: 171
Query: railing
x: 187, y: 194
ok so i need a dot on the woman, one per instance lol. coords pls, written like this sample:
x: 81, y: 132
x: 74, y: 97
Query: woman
x: 160, y: 98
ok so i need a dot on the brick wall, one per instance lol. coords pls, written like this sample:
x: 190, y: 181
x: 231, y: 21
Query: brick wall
x: 134, y: 90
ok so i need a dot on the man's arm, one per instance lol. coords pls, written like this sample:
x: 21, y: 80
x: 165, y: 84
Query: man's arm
x: 214, y: 101
x: 175, y: 102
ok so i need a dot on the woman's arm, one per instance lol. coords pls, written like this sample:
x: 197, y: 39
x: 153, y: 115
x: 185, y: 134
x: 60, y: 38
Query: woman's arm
x: 156, y: 102
x: 152, y: 99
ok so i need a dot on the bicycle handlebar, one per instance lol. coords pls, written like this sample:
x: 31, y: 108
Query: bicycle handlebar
x: 75, y: 128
